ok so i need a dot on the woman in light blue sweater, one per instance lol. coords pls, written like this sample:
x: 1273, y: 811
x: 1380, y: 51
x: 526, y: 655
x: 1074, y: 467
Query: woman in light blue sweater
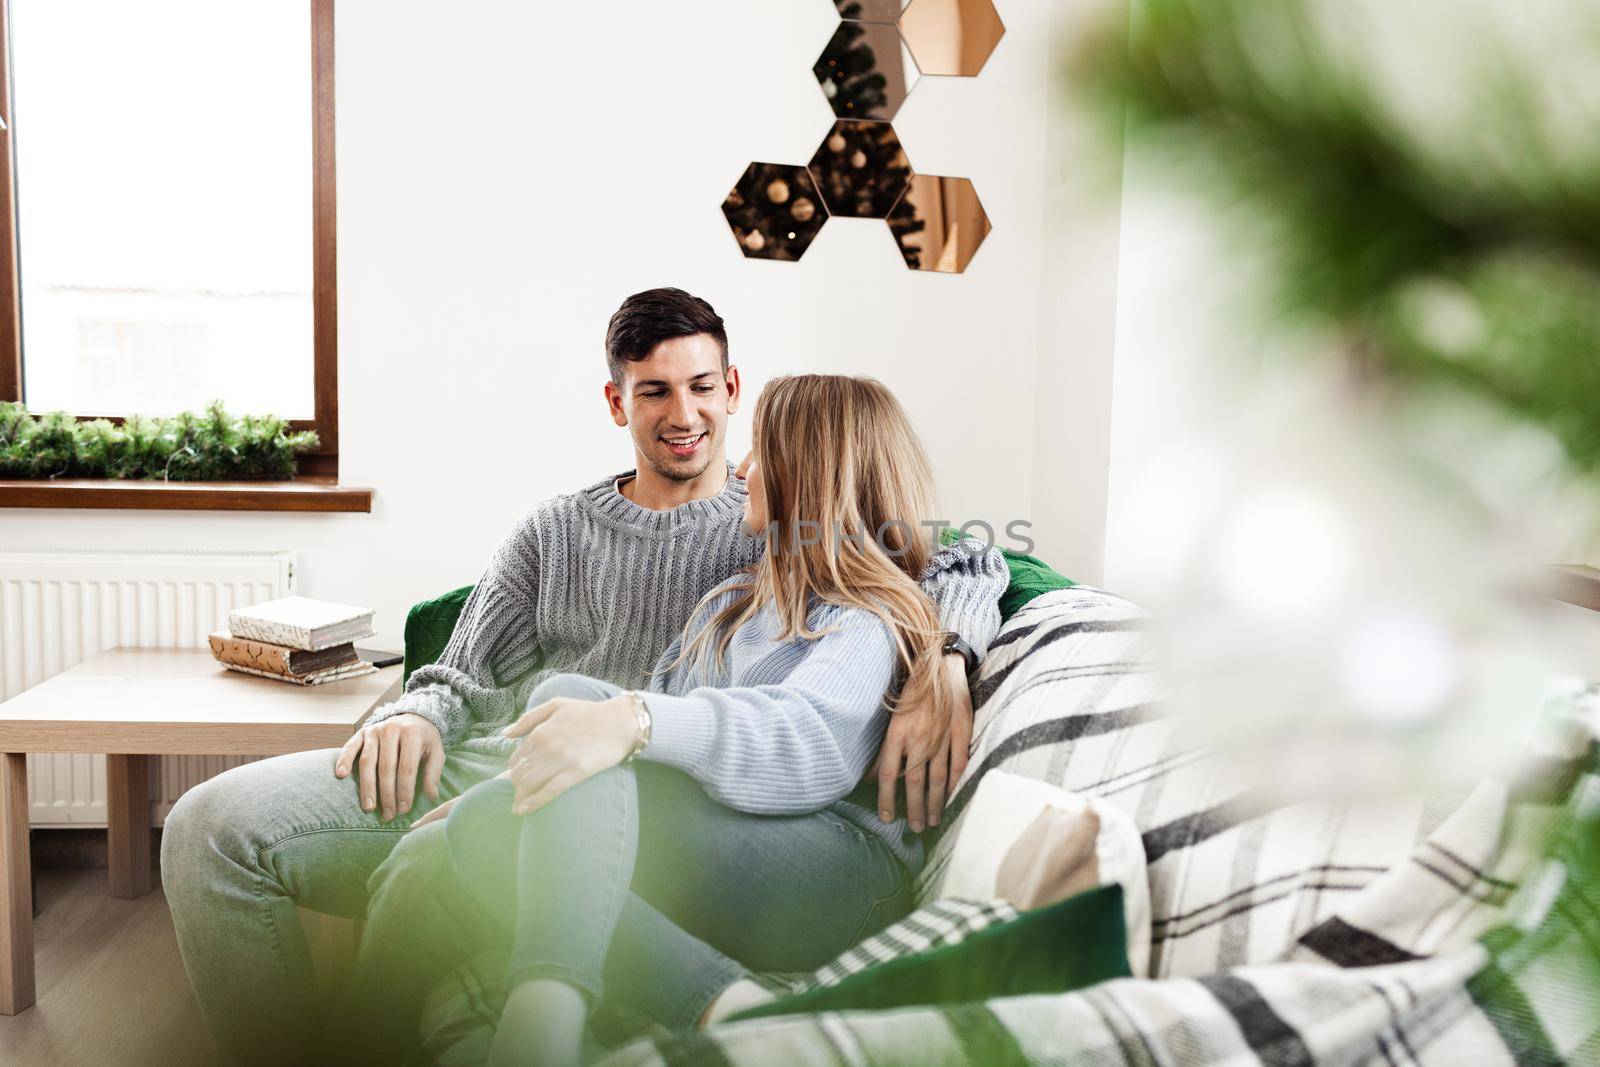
x: 656, y: 844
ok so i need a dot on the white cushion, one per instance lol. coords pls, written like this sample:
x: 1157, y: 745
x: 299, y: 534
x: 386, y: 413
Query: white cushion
x: 1002, y: 831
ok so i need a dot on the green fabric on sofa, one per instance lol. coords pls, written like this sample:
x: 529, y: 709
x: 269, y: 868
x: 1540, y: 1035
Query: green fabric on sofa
x: 430, y: 623
x: 1030, y: 577
x: 1068, y: 945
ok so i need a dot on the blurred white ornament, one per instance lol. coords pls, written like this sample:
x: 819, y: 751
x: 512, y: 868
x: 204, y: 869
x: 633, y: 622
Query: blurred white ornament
x: 1446, y: 317
x: 1283, y: 554
x: 1399, y: 666
x: 1349, y: 618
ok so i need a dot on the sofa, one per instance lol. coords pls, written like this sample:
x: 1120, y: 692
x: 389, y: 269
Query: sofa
x: 1461, y: 929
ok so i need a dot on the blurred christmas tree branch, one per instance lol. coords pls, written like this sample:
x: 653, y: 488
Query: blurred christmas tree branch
x: 1462, y: 253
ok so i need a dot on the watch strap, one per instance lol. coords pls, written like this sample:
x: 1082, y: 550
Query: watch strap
x: 954, y: 642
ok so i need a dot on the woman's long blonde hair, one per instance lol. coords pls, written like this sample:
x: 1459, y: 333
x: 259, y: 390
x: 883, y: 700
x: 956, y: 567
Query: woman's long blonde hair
x: 846, y: 484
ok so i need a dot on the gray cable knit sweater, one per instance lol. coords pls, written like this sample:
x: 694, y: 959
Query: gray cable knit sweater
x: 594, y: 584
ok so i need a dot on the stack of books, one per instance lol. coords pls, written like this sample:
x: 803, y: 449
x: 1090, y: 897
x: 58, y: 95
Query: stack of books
x: 295, y: 639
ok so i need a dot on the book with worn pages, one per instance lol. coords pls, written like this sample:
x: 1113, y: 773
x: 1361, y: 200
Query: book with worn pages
x: 332, y: 674
x: 279, y: 659
x: 300, y: 622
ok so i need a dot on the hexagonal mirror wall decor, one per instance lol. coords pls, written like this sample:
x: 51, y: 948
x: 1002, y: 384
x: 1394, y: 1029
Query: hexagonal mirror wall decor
x: 868, y: 68
x: 939, y: 223
x: 774, y: 211
x: 860, y: 169
x: 869, y: 10
x: 865, y: 71
x: 951, y: 37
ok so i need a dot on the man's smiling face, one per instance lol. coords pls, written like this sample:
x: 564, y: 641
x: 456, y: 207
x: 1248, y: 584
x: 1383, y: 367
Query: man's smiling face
x: 676, y: 402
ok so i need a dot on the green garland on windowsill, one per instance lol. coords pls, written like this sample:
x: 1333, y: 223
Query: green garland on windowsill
x: 209, y: 447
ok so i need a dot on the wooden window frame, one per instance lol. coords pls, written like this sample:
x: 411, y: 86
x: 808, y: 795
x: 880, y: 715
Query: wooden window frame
x: 315, y: 487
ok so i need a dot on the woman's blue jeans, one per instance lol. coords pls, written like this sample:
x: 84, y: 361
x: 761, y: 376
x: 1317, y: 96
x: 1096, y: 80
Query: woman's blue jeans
x: 637, y: 884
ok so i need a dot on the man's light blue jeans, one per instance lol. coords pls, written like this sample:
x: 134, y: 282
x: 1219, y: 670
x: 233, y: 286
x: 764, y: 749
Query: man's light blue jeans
x: 240, y: 851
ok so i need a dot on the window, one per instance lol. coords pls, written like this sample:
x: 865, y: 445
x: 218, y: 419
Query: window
x: 167, y: 209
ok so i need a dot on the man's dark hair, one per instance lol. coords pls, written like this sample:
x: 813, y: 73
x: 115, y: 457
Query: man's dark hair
x: 646, y: 319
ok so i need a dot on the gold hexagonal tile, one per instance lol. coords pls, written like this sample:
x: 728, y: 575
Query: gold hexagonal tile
x: 860, y: 169
x: 939, y: 223
x: 869, y: 10
x: 866, y: 71
x: 774, y: 211
x: 951, y: 37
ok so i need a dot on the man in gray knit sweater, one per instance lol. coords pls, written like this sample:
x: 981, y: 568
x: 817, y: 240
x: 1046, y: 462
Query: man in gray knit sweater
x: 596, y: 582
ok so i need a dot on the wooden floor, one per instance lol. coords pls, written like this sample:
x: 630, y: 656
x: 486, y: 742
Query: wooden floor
x: 111, y: 986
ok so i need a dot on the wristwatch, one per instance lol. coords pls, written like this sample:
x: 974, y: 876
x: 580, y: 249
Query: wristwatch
x: 642, y: 716
x: 953, y: 642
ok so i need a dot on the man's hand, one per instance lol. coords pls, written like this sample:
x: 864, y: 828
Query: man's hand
x: 386, y: 756
x: 915, y: 730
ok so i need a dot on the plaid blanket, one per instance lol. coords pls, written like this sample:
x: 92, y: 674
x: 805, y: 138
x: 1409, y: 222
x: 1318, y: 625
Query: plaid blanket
x: 1426, y: 931
x: 1069, y: 694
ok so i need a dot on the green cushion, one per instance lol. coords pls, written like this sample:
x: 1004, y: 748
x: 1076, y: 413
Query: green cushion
x: 428, y: 624
x: 1030, y: 577
x: 1054, y: 949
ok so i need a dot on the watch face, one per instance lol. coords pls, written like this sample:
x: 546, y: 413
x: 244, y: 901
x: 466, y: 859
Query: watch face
x: 954, y: 643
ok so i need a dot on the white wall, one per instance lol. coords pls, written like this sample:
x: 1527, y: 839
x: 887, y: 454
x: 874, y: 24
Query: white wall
x: 508, y: 172
x: 1079, y: 279
x: 1172, y: 282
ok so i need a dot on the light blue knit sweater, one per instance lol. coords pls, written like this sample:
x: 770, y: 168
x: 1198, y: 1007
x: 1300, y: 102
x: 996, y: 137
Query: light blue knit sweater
x: 784, y: 727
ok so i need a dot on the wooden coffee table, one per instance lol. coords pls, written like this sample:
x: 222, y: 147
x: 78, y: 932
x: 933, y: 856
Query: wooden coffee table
x: 133, y: 703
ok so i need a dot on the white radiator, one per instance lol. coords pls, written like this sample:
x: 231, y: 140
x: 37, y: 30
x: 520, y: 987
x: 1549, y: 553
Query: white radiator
x: 59, y: 608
